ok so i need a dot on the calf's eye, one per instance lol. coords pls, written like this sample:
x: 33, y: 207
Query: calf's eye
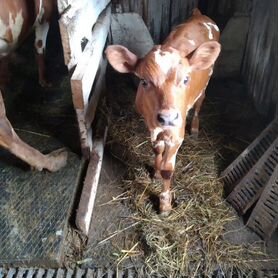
x: 144, y: 83
x: 185, y: 80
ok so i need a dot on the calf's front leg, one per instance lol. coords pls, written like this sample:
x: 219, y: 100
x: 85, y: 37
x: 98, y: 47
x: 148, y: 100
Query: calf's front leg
x: 167, y: 168
x: 10, y: 141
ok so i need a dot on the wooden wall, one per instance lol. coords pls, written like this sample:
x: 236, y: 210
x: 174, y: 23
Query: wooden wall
x: 159, y: 15
x: 260, y: 64
x: 225, y: 7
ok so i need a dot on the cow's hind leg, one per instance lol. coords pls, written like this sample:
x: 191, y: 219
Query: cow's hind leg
x: 10, y: 141
x: 41, y: 31
x: 195, y: 119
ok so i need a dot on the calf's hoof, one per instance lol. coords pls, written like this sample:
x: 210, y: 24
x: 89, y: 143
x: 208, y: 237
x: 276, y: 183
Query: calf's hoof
x: 157, y: 175
x: 45, y: 84
x: 194, y: 133
x: 165, y: 206
x: 57, y: 159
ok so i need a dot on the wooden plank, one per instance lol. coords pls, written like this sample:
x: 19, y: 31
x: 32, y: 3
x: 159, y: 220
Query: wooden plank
x: 259, y: 64
x: 86, y: 204
x: 97, y: 90
x: 126, y: 34
x: 153, y: 18
x: 85, y: 133
x: 77, y: 19
x: 85, y: 71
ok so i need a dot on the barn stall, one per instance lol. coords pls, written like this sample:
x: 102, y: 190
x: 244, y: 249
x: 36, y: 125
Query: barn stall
x: 111, y: 227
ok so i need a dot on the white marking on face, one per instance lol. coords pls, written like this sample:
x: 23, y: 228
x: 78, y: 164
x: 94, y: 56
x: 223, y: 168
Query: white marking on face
x: 209, y: 29
x: 166, y: 60
x: 192, y: 42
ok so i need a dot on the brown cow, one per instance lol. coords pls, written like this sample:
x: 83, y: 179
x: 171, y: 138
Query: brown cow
x: 17, y: 19
x: 174, y: 77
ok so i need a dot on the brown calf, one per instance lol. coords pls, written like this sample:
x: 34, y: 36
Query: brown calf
x: 174, y: 77
x: 17, y: 19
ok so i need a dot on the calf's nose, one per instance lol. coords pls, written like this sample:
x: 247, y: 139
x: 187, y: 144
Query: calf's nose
x: 168, y: 118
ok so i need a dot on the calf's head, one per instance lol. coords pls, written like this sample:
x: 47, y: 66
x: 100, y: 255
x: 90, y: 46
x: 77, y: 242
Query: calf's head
x: 166, y: 88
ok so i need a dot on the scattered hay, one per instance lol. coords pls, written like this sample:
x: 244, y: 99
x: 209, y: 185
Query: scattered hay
x: 190, y: 240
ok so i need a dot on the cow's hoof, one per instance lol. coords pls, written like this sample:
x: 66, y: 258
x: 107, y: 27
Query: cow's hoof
x: 45, y: 84
x: 165, y: 206
x: 57, y: 159
x: 165, y: 213
x: 194, y: 133
x: 157, y: 175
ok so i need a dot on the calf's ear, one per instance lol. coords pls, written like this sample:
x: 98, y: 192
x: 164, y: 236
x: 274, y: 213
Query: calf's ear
x: 120, y: 58
x: 205, y: 55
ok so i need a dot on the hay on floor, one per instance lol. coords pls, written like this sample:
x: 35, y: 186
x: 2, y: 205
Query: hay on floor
x: 190, y: 240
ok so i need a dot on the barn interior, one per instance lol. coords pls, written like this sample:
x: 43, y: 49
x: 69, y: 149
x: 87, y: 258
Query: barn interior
x: 207, y: 235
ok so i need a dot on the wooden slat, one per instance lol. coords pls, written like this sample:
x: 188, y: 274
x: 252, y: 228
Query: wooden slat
x: 126, y: 34
x: 85, y: 71
x: 159, y: 16
x: 260, y: 61
x: 97, y: 90
x: 87, y: 200
x: 85, y: 133
x: 77, y: 19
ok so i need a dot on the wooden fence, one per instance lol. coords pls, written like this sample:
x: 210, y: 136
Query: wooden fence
x: 159, y: 15
x: 260, y: 64
x: 84, y: 27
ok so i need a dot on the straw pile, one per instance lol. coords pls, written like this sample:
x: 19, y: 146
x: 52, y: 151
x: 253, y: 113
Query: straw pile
x: 190, y: 240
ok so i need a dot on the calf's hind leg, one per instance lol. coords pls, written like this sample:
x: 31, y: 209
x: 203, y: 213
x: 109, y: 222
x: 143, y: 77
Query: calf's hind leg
x: 195, y: 120
x: 10, y: 141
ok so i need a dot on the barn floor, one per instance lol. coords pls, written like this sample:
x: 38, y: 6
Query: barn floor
x: 114, y: 232
x: 36, y: 206
x: 39, y: 119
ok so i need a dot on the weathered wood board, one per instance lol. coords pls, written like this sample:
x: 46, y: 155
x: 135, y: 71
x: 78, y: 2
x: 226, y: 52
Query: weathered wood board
x: 159, y: 16
x: 233, y: 41
x: 84, y: 76
x: 260, y: 64
x: 87, y: 200
x: 76, y: 23
x: 126, y: 34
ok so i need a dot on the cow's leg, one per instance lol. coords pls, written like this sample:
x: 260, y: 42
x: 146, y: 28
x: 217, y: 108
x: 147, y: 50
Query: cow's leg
x: 195, y: 120
x: 41, y: 30
x: 10, y: 141
x: 167, y: 169
x: 158, y: 148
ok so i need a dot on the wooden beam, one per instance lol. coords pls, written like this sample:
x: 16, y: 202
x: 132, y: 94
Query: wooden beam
x: 84, y: 74
x: 88, y: 195
x: 76, y: 22
x: 97, y: 90
x: 85, y: 133
x: 135, y: 36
